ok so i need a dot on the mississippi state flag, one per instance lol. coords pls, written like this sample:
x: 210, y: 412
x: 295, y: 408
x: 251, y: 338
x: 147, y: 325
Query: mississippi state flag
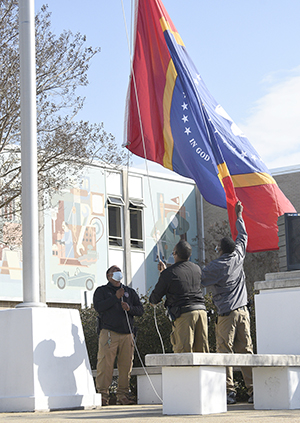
x: 172, y: 119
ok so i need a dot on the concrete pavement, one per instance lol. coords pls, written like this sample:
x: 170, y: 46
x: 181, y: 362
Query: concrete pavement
x: 238, y: 413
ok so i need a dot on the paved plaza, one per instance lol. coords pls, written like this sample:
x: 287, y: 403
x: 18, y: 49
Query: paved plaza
x: 238, y: 413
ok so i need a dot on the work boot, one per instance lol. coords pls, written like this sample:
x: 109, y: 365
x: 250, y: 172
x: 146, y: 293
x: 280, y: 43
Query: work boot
x: 105, y: 401
x: 124, y: 400
x: 231, y: 397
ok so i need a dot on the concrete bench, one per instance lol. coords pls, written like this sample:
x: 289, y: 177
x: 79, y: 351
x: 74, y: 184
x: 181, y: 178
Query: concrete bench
x: 195, y: 383
x: 145, y: 392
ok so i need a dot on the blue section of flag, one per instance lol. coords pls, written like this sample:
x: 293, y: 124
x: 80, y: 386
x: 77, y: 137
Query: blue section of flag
x: 192, y: 155
x: 203, y: 112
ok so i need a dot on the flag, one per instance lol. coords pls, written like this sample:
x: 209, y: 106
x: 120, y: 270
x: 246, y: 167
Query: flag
x: 172, y: 119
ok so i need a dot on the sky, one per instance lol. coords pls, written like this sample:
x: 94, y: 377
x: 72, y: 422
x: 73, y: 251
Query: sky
x: 246, y: 51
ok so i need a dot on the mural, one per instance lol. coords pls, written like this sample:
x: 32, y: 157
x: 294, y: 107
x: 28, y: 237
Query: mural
x: 170, y: 228
x: 11, y: 250
x: 11, y: 260
x: 77, y: 227
x: 76, y: 246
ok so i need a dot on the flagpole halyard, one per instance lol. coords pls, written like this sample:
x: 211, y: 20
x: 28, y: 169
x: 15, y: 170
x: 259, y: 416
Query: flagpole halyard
x: 142, y: 132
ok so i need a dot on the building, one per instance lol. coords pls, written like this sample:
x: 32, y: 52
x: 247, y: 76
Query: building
x: 124, y: 217
x: 115, y: 216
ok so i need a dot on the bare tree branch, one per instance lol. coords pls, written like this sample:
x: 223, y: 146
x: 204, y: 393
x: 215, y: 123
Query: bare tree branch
x: 65, y: 145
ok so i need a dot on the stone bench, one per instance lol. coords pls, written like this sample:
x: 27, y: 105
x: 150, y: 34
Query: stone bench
x: 195, y: 383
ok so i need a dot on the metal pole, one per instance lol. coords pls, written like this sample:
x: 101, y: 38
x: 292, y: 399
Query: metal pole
x: 29, y: 156
x: 200, y: 226
x: 127, y: 246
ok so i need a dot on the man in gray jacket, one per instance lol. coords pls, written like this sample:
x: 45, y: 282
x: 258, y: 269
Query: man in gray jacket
x: 226, y: 277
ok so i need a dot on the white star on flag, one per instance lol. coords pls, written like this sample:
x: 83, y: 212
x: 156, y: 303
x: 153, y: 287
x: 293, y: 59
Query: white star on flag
x: 184, y: 106
x: 187, y: 131
x: 185, y: 119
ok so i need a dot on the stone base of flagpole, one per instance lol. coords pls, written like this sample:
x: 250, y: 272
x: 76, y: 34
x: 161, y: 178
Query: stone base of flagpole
x: 44, y: 363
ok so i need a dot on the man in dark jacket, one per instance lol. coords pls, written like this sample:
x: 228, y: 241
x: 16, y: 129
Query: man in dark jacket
x: 184, y: 300
x: 116, y: 305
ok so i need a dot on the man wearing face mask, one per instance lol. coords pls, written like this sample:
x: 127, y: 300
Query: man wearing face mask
x: 113, y: 301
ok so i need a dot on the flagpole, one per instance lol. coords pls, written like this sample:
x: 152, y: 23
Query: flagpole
x: 30, y: 228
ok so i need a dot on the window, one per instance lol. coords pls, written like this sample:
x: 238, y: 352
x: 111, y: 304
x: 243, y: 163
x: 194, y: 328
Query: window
x: 115, y: 220
x: 114, y: 224
x: 136, y: 223
x: 117, y: 201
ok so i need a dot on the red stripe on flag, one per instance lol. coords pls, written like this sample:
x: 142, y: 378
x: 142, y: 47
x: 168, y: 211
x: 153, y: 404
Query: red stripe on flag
x: 263, y: 204
x: 231, y: 199
x: 150, y: 65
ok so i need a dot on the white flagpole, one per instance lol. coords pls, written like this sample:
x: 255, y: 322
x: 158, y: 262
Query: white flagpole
x: 29, y: 156
x: 31, y: 380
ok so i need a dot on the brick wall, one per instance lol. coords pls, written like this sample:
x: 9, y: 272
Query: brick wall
x: 289, y: 183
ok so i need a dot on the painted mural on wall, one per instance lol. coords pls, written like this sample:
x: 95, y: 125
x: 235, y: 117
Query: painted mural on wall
x: 76, y: 241
x: 11, y: 260
x: 171, y: 226
x: 11, y: 250
x: 77, y: 227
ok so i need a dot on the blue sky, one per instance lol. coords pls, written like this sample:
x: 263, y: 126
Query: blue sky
x: 246, y: 51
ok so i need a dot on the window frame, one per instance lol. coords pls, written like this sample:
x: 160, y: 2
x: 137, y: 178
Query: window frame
x: 137, y: 205
x: 115, y: 203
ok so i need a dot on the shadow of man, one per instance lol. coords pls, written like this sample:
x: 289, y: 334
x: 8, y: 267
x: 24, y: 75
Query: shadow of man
x: 56, y: 373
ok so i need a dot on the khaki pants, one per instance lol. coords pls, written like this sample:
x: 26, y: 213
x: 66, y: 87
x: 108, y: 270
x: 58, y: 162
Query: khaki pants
x: 190, y: 332
x: 112, y: 344
x: 233, y: 336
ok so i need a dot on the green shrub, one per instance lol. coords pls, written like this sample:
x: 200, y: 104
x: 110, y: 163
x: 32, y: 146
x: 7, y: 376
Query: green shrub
x: 89, y: 321
x: 211, y: 316
x: 148, y: 341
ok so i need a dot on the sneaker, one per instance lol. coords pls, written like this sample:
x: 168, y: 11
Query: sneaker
x: 250, y: 399
x: 231, y: 397
x: 125, y: 401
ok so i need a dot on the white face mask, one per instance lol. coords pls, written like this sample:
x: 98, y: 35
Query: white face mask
x: 117, y: 276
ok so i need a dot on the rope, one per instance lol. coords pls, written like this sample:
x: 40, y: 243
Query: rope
x: 150, y: 193
x: 140, y: 358
x: 156, y: 325
x: 142, y: 133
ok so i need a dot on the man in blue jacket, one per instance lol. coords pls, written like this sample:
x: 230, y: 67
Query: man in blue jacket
x: 116, y: 305
x: 226, y: 277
